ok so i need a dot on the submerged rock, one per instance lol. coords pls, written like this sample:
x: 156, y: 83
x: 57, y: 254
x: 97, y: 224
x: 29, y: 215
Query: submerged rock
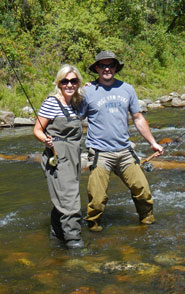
x: 84, y: 290
x: 20, y: 257
x: 168, y: 259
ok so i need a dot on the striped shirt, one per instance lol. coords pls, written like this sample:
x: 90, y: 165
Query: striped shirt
x: 50, y: 109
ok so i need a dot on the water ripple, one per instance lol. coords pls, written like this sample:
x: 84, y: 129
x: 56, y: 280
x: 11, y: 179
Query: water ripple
x: 7, y: 219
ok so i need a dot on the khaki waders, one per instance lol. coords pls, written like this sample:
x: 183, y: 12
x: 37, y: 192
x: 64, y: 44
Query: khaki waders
x: 124, y: 165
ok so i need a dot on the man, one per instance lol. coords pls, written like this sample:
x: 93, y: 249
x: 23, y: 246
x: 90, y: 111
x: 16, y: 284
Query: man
x: 107, y: 103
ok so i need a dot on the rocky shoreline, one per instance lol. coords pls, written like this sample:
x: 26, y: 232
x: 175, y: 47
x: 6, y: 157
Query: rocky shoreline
x: 8, y: 119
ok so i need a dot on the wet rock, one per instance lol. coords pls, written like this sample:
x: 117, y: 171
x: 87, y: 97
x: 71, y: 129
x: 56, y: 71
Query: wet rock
x: 123, y: 278
x: 137, y: 268
x: 92, y: 267
x: 48, y: 278
x: 84, y: 290
x: 165, y: 141
x: 177, y: 102
x: 6, y: 118
x: 148, y: 269
x: 112, y: 240
x: 26, y: 262
x: 20, y: 257
x: 159, y: 164
x: 180, y: 268
x: 129, y: 254
x: 117, y: 266
x: 179, y: 153
x: 19, y: 121
x: 168, y: 259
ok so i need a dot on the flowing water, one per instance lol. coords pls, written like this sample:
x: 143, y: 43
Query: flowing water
x: 125, y: 257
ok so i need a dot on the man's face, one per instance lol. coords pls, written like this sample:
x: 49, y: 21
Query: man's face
x: 106, y: 69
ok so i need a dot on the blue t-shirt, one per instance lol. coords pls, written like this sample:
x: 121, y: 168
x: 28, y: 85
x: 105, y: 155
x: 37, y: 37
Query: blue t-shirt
x: 107, y: 108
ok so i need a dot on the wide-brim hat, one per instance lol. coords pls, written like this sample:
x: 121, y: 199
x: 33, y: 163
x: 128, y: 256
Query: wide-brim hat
x: 106, y: 55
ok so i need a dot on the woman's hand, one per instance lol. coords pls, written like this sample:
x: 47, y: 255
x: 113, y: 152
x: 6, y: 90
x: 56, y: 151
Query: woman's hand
x: 49, y: 141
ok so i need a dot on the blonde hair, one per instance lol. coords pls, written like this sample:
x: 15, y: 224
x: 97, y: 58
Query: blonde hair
x: 64, y: 70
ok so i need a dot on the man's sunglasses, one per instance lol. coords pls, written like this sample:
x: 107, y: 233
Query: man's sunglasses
x: 73, y: 81
x: 104, y: 66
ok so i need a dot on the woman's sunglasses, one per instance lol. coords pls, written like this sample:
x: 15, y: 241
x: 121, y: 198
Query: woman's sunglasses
x: 73, y: 81
x: 104, y: 66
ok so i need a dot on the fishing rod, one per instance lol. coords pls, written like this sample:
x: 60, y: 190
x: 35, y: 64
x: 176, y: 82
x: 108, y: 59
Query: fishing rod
x: 54, y: 159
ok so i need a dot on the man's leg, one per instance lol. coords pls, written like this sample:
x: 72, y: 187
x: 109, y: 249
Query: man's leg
x: 136, y: 181
x: 97, y: 194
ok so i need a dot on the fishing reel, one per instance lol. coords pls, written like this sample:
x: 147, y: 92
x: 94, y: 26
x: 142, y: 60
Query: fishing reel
x: 53, y: 161
x: 148, y: 166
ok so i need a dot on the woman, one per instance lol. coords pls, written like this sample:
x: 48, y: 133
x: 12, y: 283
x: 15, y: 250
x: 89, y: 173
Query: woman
x: 59, y: 128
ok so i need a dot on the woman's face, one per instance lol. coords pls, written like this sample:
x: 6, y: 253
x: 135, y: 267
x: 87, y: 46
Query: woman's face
x: 69, y: 85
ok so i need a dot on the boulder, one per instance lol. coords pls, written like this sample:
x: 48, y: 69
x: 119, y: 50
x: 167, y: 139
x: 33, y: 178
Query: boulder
x: 155, y: 105
x: 182, y: 97
x: 143, y: 105
x: 27, y: 109
x: 6, y: 118
x: 19, y: 121
x: 147, y: 101
x: 177, y: 102
x: 174, y: 94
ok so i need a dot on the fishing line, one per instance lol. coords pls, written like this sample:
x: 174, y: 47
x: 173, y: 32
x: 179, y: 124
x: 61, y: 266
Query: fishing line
x: 23, y: 89
x: 53, y: 160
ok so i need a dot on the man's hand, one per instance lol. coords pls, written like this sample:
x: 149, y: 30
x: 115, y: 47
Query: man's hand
x: 159, y: 150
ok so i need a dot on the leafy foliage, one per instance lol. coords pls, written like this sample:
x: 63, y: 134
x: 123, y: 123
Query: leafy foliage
x: 39, y: 35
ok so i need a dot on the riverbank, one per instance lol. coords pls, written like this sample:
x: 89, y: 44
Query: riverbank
x: 174, y: 99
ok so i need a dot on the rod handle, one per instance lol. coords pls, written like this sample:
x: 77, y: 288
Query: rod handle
x: 150, y: 157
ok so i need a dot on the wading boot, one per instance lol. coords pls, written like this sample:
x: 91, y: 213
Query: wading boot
x: 56, y: 235
x: 94, y: 227
x: 148, y: 220
x: 75, y: 244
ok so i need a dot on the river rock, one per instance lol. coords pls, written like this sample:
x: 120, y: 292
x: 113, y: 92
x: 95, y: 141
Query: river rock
x: 19, y: 121
x: 183, y: 97
x: 177, y: 102
x: 6, y: 118
x: 174, y: 94
x: 27, y: 109
x: 165, y: 99
x: 147, y: 101
x: 155, y: 105
x: 143, y: 105
x: 168, y: 259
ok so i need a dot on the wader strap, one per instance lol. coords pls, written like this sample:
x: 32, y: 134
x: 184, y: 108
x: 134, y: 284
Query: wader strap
x: 65, y: 111
x: 134, y: 154
x: 59, y: 139
x: 93, y: 166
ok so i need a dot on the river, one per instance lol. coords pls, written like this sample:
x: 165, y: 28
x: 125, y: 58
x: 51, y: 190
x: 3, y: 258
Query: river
x: 125, y: 257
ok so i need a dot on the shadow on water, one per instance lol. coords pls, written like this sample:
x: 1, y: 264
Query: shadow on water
x: 125, y: 258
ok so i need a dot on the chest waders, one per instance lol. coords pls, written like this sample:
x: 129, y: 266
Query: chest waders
x: 63, y: 179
